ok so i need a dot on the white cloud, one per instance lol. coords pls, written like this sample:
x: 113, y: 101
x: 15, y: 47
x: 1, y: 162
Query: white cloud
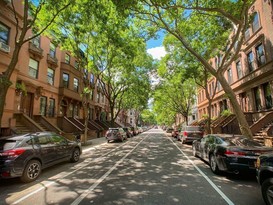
x: 157, y: 52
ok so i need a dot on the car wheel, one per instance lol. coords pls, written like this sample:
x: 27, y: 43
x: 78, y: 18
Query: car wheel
x: 75, y: 155
x: 267, y: 191
x: 213, y: 164
x: 32, y: 171
x: 108, y: 141
x: 194, y: 151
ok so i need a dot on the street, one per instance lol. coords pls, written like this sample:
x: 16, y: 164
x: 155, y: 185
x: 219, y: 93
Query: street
x: 148, y: 169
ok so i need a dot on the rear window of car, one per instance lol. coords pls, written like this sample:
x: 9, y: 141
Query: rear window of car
x: 113, y: 130
x: 242, y: 141
x: 7, y: 144
x: 193, y: 128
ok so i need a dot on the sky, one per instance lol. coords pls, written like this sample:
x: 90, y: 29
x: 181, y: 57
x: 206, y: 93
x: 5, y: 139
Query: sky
x: 155, y: 46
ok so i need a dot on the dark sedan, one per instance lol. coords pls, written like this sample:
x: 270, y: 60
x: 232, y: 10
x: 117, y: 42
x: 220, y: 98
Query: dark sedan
x: 229, y: 153
x: 25, y: 156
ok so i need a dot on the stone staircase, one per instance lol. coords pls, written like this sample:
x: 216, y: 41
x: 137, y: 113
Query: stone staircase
x: 21, y: 128
x: 262, y: 133
x: 42, y: 126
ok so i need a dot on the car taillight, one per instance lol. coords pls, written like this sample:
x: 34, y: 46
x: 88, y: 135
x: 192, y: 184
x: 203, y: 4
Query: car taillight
x: 185, y: 134
x: 12, y: 153
x: 234, y: 153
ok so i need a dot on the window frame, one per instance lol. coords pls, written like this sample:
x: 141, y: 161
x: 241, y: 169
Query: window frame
x: 32, y: 69
x: 5, y: 41
x: 50, y: 77
x: 258, y: 56
x: 76, y: 86
x: 65, y: 83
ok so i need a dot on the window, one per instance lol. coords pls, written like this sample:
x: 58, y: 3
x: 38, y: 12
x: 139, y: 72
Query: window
x: 36, y: 41
x: 33, y: 68
x: 50, y: 76
x: 4, y: 34
x: 250, y: 61
x: 65, y: 80
x: 75, y: 111
x: 267, y: 95
x: 67, y: 58
x: 257, y: 98
x: 52, y: 51
x: 58, y: 140
x: 247, y: 34
x: 43, y: 105
x: 77, y: 65
x: 239, y: 70
x: 256, y: 22
x: 260, y: 54
x: 51, y: 108
x: 76, y: 85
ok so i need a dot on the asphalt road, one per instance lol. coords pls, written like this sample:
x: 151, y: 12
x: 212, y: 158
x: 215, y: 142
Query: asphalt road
x: 149, y: 169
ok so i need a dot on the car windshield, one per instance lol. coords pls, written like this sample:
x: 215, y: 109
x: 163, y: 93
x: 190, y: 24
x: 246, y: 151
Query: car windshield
x: 241, y: 141
x: 7, y: 144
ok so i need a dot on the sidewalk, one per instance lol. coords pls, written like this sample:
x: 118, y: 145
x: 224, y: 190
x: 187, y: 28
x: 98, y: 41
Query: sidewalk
x: 94, y: 142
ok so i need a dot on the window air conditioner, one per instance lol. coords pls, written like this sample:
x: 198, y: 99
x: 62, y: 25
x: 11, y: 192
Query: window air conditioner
x: 4, y: 47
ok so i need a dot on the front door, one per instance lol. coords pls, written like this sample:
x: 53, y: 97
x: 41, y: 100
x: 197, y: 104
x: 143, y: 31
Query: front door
x: 27, y: 104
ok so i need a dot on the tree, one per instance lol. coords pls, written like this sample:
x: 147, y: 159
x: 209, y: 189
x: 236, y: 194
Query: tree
x: 221, y: 25
x: 35, y: 20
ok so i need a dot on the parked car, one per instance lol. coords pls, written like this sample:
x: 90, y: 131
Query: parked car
x: 229, y: 153
x: 115, y: 134
x: 133, y: 130
x: 128, y: 132
x: 190, y: 133
x: 264, y: 174
x: 169, y: 130
x: 175, y: 133
x: 26, y: 155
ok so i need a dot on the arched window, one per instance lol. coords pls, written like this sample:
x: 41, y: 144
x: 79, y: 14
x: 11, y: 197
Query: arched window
x: 256, y: 22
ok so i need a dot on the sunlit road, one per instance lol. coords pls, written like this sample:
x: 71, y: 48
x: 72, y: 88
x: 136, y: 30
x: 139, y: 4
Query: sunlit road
x: 148, y: 169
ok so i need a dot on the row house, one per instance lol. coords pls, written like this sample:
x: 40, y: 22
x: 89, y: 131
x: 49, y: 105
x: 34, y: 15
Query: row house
x: 251, y: 74
x: 47, y: 85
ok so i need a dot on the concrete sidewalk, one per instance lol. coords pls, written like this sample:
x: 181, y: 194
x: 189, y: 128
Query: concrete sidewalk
x: 94, y: 142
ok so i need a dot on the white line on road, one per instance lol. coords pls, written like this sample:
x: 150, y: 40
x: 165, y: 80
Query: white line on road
x: 205, y: 176
x: 91, y: 188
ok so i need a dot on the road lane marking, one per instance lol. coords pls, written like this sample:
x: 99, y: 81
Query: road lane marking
x: 46, y: 184
x: 229, y: 202
x: 101, y: 179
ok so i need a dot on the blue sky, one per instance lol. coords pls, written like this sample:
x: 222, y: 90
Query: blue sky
x: 155, y: 46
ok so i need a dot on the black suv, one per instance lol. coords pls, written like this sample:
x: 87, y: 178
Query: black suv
x: 25, y: 156
x: 264, y: 174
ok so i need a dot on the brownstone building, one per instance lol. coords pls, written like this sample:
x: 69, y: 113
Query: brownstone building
x: 46, y: 86
x: 250, y: 76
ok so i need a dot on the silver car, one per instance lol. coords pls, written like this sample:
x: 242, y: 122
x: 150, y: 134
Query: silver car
x: 115, y: 134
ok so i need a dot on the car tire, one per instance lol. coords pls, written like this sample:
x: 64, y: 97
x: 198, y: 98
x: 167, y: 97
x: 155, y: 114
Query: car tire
x: 194, y: 151
x: 32, y: 171
x: 75, y: 155
x: 267, y: 191
x: 108, y: 141
x: 213, y: 164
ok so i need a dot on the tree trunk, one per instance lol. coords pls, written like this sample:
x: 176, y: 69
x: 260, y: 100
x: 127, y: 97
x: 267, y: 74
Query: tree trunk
x: 243, y: 125
x: 85, y: 124
x: 208, y: 124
